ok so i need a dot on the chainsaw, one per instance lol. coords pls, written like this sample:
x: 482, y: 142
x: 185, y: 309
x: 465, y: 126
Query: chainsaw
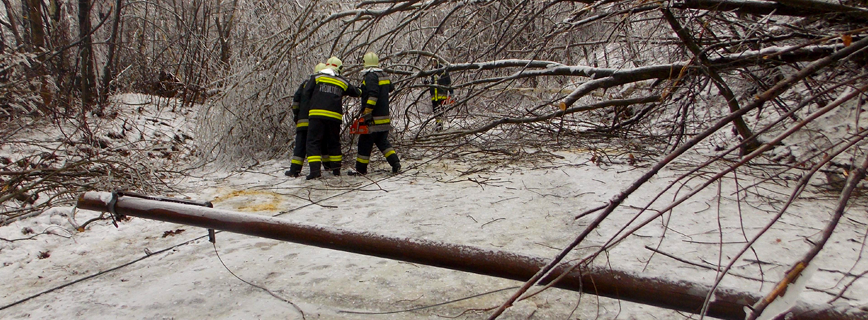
x: 359, y: 127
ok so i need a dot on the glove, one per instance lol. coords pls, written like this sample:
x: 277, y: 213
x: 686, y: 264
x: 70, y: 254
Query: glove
x: 368, y: 118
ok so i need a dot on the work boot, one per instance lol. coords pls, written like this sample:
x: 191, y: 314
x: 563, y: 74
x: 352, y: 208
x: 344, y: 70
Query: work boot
x: 354, y: 173
x: 294, y: 170
x: 326, y: 165
x: 334, y: 166
x: 394, y: 162
x: 361, y: 169
x: 314, y: 172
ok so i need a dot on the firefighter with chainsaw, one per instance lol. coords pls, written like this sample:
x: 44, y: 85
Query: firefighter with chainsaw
x: 374, y: 122
x: 326, y: 91
x: 300, y: 109
x: 441, y: 94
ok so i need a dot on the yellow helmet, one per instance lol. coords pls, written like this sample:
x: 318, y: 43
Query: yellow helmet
x: 371, y: 60
x: 319, y: 67
x: 335, y: 64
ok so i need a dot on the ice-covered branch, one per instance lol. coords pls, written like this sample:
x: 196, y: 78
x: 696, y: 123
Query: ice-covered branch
x: 550, y: 116
x: 801, y: 8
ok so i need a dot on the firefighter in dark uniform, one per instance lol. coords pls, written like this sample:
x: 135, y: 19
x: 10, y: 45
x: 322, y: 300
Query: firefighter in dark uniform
x: 300, y: 108
x: 439, y: 94
x: 326, y: 91
x: 375, y: 112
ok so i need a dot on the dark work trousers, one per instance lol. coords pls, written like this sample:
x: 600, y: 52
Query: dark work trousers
x: 366, y: 145
x: 299, y: 151
x: 323, y: 144
x: 438, y: 114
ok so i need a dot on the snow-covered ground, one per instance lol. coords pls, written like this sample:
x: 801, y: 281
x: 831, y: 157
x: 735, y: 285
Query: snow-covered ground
x: 171, y: 271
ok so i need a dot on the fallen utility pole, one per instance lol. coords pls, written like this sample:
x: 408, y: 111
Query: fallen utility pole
x: 664, y: 293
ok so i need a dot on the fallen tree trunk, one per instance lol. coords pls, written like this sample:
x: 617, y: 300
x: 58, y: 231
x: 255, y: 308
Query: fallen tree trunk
x: 664, y: 293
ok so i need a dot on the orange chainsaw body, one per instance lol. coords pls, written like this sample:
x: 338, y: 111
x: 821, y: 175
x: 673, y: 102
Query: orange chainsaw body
x: 359, y: 127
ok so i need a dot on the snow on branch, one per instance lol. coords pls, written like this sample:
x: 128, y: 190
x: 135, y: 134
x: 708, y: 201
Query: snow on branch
x: 785, y: 54
x: 491, y: 65
x: 547, y: 117
x: 801, y: 8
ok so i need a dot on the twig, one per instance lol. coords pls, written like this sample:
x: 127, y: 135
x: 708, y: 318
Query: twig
x: 492, y: 221
x: 589, y: 211
x: 791, y: 276
x: 710, y: 267
x: 28, y: 238
x: 102, y: 216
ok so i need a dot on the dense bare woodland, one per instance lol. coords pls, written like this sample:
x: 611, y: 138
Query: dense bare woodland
x: 772, y: 90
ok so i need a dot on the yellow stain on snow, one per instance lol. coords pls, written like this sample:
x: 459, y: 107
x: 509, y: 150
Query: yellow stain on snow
x: 249, y: 200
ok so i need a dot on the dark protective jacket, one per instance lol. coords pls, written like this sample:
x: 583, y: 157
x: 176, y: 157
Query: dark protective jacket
x: 444, y: 80
x: 375, y: 99
x: 326, y: 92
x: 300, y: 107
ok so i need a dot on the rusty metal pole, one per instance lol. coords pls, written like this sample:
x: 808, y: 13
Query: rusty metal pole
x: 664, y: 293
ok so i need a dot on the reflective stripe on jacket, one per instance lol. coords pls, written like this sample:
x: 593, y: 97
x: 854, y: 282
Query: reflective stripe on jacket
x: 442, y: 79
x: 326, y: 91
x: 375, y: 99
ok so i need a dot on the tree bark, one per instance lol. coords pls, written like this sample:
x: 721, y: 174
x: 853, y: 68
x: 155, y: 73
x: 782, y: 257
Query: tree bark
x: 225, y: 30
x: 59, y: 38
x: 108, y: 69
x: 13, y: 23
x: 25, y: 25
x: 37, y: 29
x: 88, y: 78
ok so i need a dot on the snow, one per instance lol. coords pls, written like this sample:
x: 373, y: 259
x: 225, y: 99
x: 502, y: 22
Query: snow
x: 155, y: 270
